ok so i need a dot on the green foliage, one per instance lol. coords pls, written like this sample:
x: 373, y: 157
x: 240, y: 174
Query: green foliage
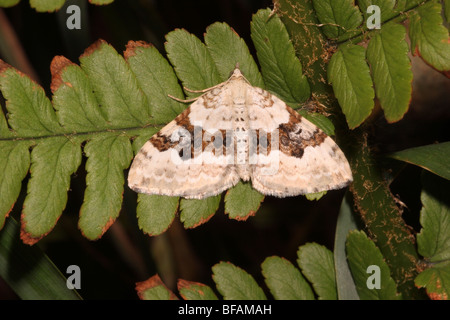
x: 326, y: 276
x: 315, y: 196
x: 8, y: 3
x: 362, y: 253
x: 433, y: 157
x: 99, y: 106
x: 285, y: 281
x: 28, y: 271
x: 195, y: 291
x: 338, y: 17
x: 280, y: 67
x: 346, y: 289
x: 48, y: 5
x: 388, y: 8
x: 154, y: 289
x: 116, y: 87
x: 429, y: 37
x: 53, y: 161
x: 107, y: 156
x: 157, y: 80
x: 447, y: 9
x: 349, y: 74
x: 195, y: 212
x: 101, y: 2
x: 192, y: 60
x: 382, y: 219
x: 317, y: 265
x: 436, y: 280
x: 361, y: 60
x: 242, y: 201
x: 15, y: 163
x: 109, y: 106
x: 220, y: 39
x: 155, y: 213
x: 434, y: 239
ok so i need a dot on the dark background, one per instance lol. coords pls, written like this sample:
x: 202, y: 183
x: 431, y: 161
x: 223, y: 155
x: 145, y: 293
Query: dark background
x: 112, y: 265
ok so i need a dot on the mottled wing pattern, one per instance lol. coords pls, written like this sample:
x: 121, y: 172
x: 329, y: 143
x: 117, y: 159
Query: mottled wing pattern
x: 180, y: 160
x: 237, y: 131
x: 299, y: 157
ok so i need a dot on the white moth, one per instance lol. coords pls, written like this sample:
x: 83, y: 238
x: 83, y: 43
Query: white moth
x: 236, y: 131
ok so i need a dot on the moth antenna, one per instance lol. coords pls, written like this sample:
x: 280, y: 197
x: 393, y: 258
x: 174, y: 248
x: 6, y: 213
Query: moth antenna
x: 182, y: 100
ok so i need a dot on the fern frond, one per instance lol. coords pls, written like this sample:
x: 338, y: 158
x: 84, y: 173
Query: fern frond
x: 386, y: 53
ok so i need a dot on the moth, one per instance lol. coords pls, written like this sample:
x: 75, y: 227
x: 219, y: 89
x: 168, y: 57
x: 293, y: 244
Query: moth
x: 235, y: 131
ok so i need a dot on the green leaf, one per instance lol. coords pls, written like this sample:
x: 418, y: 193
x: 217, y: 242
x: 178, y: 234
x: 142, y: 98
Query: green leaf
x: 319, y: 120
x: 101, y: 2
x: 433, y: 157
x: 349, y: 75
x: 436, y: 280
x: 30, y: 112
x: 157, y: 80
x: 196, y: 69
x: 28, y: 271
x: 281, y: 69
x: 346, y: 289
x: 362, y: 253
x: 57, y: 153
x: 14, y: 161
x: 74, y: 100
x: 195, y: 291
x: 315, y: 196
x: 381, y: 215
x: 8, y: 3
x: 309, y: 44
x: 338, y: 17
x: 47, y: 5
x: 4, y: 130
x: 143, y: 137
x: 107, y: 156
x: 236, y: 284
x: 154, y: 289
x: 192, y: 61
x: 391, y: 69
x: 429, y: 37
x: 53, y: 161
x: 242, y: 201
x: 434, y: 239
x: 285, y: 281
x: 316, y: 263
x: 196, y: 212
x: 115, y: 85
x: 227, y: 49
x: 387, y: 10
x: 155, y: 213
